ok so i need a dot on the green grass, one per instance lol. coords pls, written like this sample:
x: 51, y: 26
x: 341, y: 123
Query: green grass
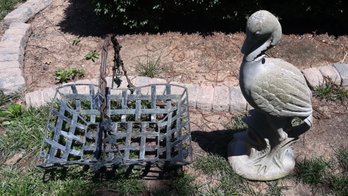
x: 342, y: 158
x: 237, y: 123
x: 185, y: 185
x: 332, y: 174
x: 229, y: 182
x: 7, y: 6
x: 338, y: 184
x: 312, y: 171
x: 23, y: 131
x: 274, y: 189
x: 330, y: 91
x: 150, y: 68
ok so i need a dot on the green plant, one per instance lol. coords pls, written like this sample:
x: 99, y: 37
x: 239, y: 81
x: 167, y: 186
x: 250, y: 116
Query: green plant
x: 18, y: 181
x: 64, y: 75
x: 150, y: 68
x: 76, y: 41
x: 312, y: 171
x: 8, y: 115
x: 25, y: 132
x: 184, y: 185
x: 237, y: 123
x: 338, y: 184
x: 217, y: 166
x: 330, y: 91
x: 6, y: 6
x: 6, y: 99
x: 274, y: 189
x: 342, y: 157
x: 128, y: 186
x: 92, y: 55
x: 213, y: 165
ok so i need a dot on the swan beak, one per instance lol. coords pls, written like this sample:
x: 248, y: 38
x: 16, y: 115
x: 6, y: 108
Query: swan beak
x: 248, y: 44
x: 253, y: 41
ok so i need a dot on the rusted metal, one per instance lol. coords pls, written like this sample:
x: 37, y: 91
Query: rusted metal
x: 102, y: 127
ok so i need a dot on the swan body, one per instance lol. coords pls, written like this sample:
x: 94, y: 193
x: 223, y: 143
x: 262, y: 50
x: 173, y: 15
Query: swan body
x: 279, y: 93
x: 271, y: 85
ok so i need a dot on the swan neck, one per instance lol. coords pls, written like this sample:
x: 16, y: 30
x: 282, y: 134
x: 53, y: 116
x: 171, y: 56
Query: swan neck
x: 258, y: 52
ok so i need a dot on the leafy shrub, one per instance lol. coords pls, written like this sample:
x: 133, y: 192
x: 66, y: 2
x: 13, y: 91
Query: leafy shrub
x: 209, y: 15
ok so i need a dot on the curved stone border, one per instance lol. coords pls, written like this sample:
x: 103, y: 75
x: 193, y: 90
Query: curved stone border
x: 13, y: 43
x: 26, y: 11
x: 337, y: 73
x: 209, y: 98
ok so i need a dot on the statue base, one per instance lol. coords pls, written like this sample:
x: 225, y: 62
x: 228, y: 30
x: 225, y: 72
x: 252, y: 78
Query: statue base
x: 261, y: 153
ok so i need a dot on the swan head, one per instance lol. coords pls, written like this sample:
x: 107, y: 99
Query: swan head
x: 262, y: 31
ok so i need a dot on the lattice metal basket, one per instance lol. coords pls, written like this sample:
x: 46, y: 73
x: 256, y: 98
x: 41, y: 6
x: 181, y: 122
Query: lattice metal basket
x: 150, y: 125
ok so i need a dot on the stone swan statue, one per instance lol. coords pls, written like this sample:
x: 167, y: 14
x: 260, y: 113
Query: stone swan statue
x: 281, y: 98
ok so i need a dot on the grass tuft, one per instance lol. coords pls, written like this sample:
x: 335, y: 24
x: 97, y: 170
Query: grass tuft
x: 274, y: 189
x: 213, y: 165
x: 312, y: 171
x: 331, y: 91
x: 151, y: 68
x: 338, y: 184
x: 24, y: 131
x: 237, y: 123
x: 217, y: 166
x: 6, y: 6
x: 342, y: 157
x: 185, y: 185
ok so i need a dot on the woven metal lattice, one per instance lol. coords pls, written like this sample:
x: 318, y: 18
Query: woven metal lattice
x: 150, y: 125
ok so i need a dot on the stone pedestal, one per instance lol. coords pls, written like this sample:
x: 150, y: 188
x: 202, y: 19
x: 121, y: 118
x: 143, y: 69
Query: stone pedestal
x: 261, y: 153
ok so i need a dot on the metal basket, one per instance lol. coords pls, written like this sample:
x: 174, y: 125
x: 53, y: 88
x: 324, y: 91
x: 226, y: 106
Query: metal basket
x: 150, y: 125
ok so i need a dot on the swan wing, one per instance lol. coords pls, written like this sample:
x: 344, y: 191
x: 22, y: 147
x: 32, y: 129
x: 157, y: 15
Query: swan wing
x: 282, y: 91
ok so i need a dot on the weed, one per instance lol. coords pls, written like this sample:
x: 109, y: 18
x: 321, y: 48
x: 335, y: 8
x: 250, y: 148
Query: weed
x: 312, y: 171
x: 330, y: 91
x: 213, y: 165
x: 150, y: 68
x: 13, y: 110
x: 6, y: 6
x: 6, y: 99
x: 274, y: 189
x: 92, y: 55
x: 342, y: 157
x: 64, y: 75
x: 185, y: 185
x: 15, y: 181
x: 25, y: 132
x: 237, y: 123
x: 76, y: 41
x: 128, y: 186
x: 338, y: 184
x: 230, y: 182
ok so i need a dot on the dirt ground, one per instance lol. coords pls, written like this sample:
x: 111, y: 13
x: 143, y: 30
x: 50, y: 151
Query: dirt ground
x: 189, y: 58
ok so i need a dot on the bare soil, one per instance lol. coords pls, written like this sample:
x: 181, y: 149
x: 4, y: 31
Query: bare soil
x: 188, y: 58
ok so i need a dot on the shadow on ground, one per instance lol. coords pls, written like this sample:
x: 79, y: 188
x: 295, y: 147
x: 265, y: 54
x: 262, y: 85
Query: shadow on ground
x: 214, y: 142
x: 81, y: 20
